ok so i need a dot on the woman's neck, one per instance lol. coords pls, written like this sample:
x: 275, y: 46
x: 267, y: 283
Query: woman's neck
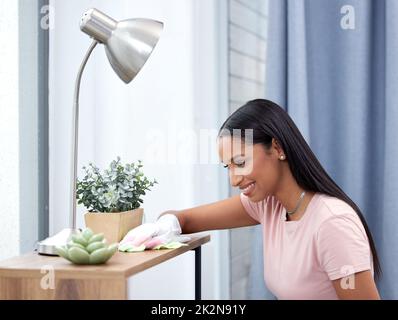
x: 288, y: 195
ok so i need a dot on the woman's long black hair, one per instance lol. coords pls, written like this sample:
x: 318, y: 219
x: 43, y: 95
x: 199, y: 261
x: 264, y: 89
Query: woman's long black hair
x: 268, y: 120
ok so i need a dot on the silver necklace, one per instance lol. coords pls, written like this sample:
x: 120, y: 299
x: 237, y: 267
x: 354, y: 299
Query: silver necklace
x: 298, y: 204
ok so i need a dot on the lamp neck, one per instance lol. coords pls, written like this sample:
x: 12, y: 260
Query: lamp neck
x: 75, y: 134
x: 97, y: 25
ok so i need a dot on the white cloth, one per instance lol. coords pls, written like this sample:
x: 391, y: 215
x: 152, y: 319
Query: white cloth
x: 165, y: 230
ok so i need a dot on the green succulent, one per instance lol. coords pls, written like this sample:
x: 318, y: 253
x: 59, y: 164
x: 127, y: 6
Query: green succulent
x: 118, y: 188
x: 87, y: 248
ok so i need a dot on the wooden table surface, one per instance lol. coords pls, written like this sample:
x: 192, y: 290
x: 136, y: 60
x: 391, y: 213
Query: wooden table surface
x: 21, y: 277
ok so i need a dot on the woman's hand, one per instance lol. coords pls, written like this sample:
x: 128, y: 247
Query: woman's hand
x: 164, y: 230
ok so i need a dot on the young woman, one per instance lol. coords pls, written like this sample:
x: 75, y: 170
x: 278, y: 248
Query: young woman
x: 316, y: 242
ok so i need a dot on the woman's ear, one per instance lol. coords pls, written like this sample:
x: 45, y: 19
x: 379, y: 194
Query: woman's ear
x: 276, y: 147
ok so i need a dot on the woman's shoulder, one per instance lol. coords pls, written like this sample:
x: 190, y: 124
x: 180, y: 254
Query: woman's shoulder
x: 332, y: 206
x: 332, y: 210
x: 338, y: 226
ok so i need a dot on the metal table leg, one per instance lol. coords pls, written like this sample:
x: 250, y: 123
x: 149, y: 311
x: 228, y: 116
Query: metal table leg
x: 198, y: 274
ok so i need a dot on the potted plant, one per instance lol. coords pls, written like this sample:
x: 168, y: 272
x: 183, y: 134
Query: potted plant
x: 113, y: 198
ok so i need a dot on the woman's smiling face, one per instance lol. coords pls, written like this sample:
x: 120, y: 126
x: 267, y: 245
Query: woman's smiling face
x: 252, y: 168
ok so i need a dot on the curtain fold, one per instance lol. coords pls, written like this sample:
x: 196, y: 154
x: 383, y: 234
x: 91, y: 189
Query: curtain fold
x: 332, y: 64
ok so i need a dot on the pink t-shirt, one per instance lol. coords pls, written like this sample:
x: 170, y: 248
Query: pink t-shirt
x: 302, y: 257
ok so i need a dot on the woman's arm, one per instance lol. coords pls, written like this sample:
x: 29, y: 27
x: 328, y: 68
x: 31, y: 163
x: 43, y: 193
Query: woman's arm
x: 224, y: 214
x: 359, y: 286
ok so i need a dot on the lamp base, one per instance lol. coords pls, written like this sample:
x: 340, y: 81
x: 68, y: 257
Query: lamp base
x: 47, y: 246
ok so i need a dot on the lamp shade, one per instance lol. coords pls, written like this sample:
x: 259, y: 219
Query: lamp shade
x: 128, y: 43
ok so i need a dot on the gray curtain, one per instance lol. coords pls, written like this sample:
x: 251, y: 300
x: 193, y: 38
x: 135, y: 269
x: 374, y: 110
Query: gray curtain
x: 335, y: 70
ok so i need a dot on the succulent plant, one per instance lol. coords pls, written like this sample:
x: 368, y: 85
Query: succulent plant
x: 87, y: 248
x: 118, y: 188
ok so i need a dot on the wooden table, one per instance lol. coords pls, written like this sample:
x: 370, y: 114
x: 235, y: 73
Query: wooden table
x: 29, y: 276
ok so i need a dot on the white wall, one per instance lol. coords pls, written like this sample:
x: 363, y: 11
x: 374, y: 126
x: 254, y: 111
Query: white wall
x: 9, y: 129
x: 19, y: 127
x: 176, y: 91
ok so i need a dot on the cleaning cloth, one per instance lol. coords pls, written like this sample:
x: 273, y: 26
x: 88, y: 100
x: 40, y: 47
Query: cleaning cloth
x: 165, y: 241
x: 165, y: 233
x: 128, y: 247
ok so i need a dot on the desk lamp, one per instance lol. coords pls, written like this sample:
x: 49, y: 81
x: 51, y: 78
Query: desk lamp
x: 128, y: 44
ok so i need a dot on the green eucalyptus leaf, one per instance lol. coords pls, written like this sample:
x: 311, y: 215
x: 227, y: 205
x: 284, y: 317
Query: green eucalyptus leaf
x: 117, y: 188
